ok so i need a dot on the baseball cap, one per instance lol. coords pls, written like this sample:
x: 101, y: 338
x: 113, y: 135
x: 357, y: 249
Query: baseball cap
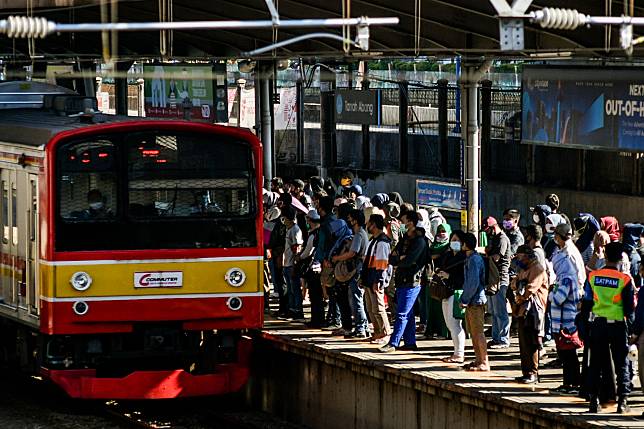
x: 563, y: 230
x: 313, y: 214
x: 489, y: 221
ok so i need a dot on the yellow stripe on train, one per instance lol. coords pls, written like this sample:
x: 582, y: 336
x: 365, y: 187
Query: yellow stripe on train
x: 173, y: 278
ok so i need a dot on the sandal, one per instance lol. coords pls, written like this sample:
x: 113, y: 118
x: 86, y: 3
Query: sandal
x: 453, y: 359
x: 478, y: 368
x: 469, y: 365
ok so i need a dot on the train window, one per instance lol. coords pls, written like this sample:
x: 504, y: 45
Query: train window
x: 34, y: 211
x: 14, y: 214
x: 87, y: 181
x: 184, y: 175
x: 5, y: 212
x: 175, y: 190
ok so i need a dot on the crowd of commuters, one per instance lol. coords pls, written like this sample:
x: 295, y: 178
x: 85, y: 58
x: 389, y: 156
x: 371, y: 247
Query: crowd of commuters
x: 370, y: 265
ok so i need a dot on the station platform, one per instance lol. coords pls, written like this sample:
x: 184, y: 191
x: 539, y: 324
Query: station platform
x: 308, y: 377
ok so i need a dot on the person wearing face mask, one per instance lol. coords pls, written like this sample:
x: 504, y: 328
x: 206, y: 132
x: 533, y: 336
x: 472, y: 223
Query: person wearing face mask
x: 353, y: 295
x: 431, y: 309
x: 293, y: 245
x: 533, y: 235
x: 511, y: 219
x: 585, y: 228
x: 552, y: 221
x: 499, y: 251
x: 473, y: 300
x: 97, y: 208
x: 530, y: 287
x: 451, y: 268
x: 608, y: 305
x: 410, y: 259
x: 564, y: 300
x: 374, y: 278
x: 311, y: 270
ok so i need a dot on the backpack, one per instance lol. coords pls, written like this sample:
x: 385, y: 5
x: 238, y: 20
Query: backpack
x: 492, y: 277
x: 345, y: 270
x: 339, y: 232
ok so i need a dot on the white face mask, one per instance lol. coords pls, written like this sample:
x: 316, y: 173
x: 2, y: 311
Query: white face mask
x: 550, y: 228
x: 535, y: 218
x: 455, y: 246
x: 96, y: 206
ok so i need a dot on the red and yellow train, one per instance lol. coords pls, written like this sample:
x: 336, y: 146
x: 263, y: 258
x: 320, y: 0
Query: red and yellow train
x: 131, y: 248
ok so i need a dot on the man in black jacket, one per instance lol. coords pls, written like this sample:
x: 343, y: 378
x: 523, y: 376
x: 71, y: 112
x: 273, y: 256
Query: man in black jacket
x: 409, y: 257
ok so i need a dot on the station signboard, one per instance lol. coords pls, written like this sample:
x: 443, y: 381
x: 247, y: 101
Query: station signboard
x: 181, y: 91
x: 591, y: 108
x: 358, y: 107
x: 443, y: 195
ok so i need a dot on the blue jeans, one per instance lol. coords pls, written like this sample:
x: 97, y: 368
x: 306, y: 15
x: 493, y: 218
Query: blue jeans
x: 277, y: 275
x: 405, y: 324
x: 356, y: 298
x: 500, y: 318
x: 294, y: 290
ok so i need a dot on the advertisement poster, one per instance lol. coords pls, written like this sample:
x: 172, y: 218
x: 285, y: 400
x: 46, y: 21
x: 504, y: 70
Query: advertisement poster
x: 179, y: 91
x: 440, y: 194
x: 600, y: 108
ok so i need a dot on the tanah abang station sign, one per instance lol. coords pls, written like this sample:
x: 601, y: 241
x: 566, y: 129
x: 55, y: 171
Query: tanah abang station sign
x: 600, y: 108
x: 358, y: 107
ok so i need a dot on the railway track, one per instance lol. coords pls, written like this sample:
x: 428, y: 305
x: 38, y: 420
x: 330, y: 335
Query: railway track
x: 190, y: 414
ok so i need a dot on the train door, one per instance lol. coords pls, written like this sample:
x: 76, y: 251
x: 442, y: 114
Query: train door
x: 9, y: 256
x: 31, y: 244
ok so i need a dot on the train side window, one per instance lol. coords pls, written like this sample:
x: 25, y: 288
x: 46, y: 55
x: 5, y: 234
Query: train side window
x: 87, y: 184
x: 5, y: 212
x: 34, y: 211
x: 14, y: 214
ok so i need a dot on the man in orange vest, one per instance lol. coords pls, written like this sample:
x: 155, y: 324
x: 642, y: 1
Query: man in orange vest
x: 608, y: 305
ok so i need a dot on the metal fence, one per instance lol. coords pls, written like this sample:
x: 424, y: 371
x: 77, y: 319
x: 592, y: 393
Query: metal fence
x: 504, y: 158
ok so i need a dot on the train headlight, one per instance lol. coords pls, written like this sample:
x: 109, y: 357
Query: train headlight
x: 81, y: 281
x: 80, y: 308
x: 235, y: 277
x: 234, y: 303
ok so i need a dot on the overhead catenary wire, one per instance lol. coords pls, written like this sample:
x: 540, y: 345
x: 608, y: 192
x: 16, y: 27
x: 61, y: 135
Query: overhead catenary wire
x: 20, y: 26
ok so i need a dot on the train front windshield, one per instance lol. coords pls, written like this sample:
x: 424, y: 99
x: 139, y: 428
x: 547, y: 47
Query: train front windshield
x: 155, y: 190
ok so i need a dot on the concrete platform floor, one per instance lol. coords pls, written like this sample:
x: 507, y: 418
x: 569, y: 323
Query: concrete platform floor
x: 497, y: 386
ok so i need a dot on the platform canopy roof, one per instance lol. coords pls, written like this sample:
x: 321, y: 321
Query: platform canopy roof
x: 427, y: 28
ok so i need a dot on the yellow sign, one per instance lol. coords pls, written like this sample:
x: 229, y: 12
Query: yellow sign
x: 464, y: 220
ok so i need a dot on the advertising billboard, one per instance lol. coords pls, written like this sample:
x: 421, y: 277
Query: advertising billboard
x: 600, y: 108
x: 180, y: 91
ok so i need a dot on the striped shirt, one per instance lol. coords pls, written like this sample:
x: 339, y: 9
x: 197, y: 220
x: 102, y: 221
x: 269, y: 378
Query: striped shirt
x: 565, y: 297
x: 376, y: 262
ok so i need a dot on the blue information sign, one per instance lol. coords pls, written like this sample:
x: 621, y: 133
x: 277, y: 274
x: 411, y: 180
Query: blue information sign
x: 441, y: 194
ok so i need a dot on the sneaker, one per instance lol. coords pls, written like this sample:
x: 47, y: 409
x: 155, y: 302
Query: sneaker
x: 387, y: 348
x: 491, y: 343
x: 549, y: 344
x: 331, y: 327
x: 622, y: 406
x: 529, y: 379
x: 496, y: 346
x: 340, y: 332
x: 380, y: 341
x: 408, y: 347
x: 561, y: 390
x: 357, y: 335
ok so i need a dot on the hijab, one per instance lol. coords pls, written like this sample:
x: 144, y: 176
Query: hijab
x: 588, y: 225
x: 439, y: 247
x: 611, y: 226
